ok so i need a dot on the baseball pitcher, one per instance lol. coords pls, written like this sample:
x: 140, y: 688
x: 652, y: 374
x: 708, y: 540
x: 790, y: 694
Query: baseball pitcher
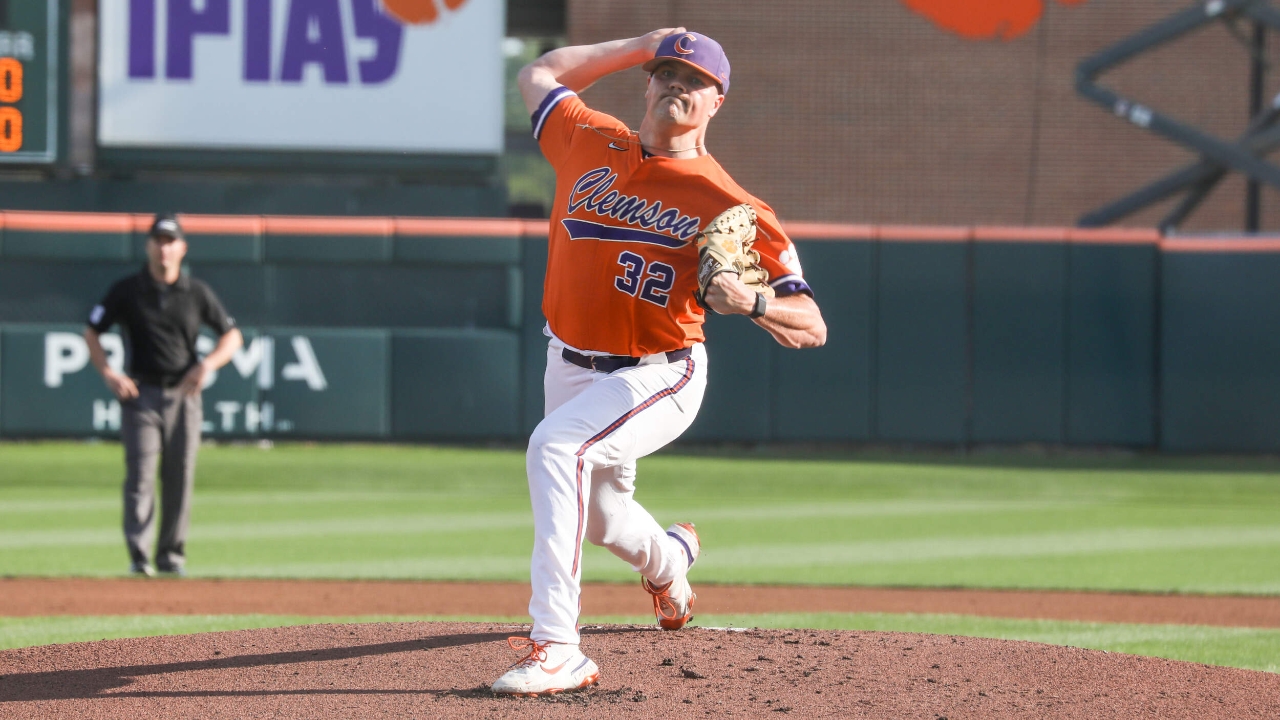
x: 647, y: 231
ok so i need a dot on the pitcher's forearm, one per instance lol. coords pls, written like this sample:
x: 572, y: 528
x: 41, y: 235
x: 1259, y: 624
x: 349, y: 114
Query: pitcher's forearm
x: 577, y: 67
x: 795, y: 322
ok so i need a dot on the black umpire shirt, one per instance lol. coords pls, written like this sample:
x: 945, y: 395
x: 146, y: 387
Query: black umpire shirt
x: 161, y: 323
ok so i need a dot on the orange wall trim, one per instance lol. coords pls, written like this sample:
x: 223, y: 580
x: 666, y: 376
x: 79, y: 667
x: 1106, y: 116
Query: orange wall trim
x: 829, y: 231
x: 923, y: 233
x: 1004, y: 233
x: 68, y: 222
x: 371, y: 226
x: 460, y: 227
x: 1221, y: 245
x: 61, y: 222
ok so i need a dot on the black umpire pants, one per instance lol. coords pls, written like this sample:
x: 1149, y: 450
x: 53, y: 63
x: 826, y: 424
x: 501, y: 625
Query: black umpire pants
x: 163, y: 423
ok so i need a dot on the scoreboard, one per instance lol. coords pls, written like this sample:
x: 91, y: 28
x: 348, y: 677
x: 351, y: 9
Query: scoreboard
x: 28, y: 81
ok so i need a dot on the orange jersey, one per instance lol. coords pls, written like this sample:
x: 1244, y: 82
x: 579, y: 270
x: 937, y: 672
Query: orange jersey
x: 622, y: 260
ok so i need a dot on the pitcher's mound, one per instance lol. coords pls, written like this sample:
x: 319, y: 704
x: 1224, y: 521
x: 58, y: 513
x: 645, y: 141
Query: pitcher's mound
x: 444, y: 670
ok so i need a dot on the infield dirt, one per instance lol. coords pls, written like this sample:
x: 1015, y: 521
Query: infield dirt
x: 84, y: 596
x: 444, y: 669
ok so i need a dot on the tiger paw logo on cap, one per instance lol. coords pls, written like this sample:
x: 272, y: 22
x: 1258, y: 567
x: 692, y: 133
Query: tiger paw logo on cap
x: 983, y: 19
x: 418, y: 12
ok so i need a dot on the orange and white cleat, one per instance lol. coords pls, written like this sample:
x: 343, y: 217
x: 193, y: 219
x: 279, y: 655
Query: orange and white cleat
x: 549, y: 668
x: 673, y: 602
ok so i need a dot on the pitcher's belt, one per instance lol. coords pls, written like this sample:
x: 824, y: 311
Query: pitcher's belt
x: 610, y: 363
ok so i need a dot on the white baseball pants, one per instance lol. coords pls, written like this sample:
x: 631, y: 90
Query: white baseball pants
x: 582, y: 470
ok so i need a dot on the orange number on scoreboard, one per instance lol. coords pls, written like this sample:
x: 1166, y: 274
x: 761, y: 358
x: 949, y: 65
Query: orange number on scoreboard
x: 10, y: 129
x: 10, y: 80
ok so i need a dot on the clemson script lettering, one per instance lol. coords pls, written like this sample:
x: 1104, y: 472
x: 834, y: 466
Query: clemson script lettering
x: 593, y: 192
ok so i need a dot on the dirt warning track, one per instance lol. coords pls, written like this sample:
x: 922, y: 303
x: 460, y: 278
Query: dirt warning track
x: 77, y: 596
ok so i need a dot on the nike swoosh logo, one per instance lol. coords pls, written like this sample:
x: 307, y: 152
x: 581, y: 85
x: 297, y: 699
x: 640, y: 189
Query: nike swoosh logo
x: 554, y: 670
x: 613, y: 146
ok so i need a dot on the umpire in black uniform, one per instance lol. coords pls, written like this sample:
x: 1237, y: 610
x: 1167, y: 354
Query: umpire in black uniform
x: 161, y: 311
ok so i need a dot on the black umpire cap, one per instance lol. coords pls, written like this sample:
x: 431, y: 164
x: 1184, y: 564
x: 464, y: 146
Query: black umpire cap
x: 166, y: 225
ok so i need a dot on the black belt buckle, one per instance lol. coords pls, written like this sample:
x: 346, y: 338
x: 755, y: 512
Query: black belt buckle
x: 611, y: 363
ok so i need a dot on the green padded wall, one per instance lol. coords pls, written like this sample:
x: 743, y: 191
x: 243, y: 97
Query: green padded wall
x: 737, y: 405
x: 396, y: 296
x: 28, y: 245
x: 327, y: 248
x: 1111, y: 345
x: 246, y: 290
x: 1019, y: 342
x: 825, y: 393
x: 1220, y: 340
x: 233, y: 399
x: 48, y: 386
x: 331, y: 383
x: 533, y: 343
x: 55, y: 292
x: 456, y: 384
x: 921, y: 338
x: 466, y: 249
x: 311, y: 383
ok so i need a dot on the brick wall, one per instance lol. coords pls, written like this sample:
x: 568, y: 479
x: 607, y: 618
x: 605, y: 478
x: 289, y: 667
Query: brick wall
x: 864, y: 111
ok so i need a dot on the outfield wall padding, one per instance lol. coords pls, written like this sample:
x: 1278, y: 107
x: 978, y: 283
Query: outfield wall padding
x: 1019, y: 340
x: 1112, y: 361
x: 431, y: 329
x: 921, y: 341
x: 1220, y: 346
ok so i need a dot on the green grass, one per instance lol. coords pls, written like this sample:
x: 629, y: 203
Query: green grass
x: 345, y: 511
x: 1233, y: 647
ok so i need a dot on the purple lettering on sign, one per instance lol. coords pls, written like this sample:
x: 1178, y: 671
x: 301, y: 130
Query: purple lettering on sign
x: 386, y: 34
x: 185, y: 22
x: 257, y: 40
x: 314, y: 35
x: 142, y: 38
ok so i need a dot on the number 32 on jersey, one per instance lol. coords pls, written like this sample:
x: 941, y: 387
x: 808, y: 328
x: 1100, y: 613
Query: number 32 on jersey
x: 649, y: 281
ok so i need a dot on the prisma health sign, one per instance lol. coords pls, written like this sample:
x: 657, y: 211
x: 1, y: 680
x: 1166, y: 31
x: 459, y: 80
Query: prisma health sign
x: 28, y: 81
x: 315, y: 75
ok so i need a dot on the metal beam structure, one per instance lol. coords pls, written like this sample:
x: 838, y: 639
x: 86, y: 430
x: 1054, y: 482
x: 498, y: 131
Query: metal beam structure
x: 1245, y: 155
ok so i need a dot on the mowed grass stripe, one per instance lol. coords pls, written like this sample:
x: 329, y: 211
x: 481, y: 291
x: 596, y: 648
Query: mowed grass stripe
x: 870, y: 508
x: 435, y: 522
x: 221, y: 499
x: 377, y: 525
x: 1049, y: 544
x: 452, y: 566
x: 1125, y: 522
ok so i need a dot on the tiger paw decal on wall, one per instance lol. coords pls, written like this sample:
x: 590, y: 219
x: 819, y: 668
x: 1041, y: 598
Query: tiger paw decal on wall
x: 984, y: 19
x: 417, y: 12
